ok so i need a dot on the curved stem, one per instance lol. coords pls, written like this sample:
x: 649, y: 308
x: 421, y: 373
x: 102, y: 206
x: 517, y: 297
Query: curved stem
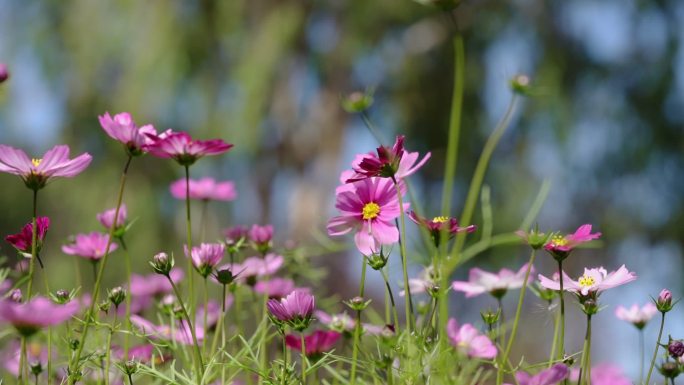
x: 198, y: 353
x: 657, y: 346
x: 391, y: 297
x: 90, y: 313
x: 371, y: 127
x: 518, y: 311
x: 404, y: 262
x: 561, y: 349
x: 358, y: 327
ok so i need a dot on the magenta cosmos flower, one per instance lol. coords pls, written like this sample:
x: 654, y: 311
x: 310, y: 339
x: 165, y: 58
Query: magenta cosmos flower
x: 36, y: 314
x: 315, y: 344
x: 106, y: 218
x: 180, y: 333
x: 592, y: 282
x: 469, y: 341
x: 22, y: 241
x: 560, y: 246
x: 480, y: 281
x: 260, y: 235
x: 206, y: 189
x: 295, y: 309
x: 205, y: 257
x: 92, y: 246
x: 637, y: 316
x: 393, y: 162
x: 551, y: 376
x: 369, y: 210
x: 181, y: 147
x: 439, y: 224
x: 122, y: 128
x: 37, y: 172
x: 604, y: 374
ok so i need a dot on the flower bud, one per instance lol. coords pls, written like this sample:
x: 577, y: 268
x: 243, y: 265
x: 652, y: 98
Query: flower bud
x: 490, y: 317
x: 590, y: 307
x: 664, y: 301
x: 36, y: 368
x: 534, y: 238
x: 4, y: 73
x: 162, y: 264
x: 74, y: 343
x: 16, y: 296
x: 520, y: 84
x: 61, y: 296
x: 224, y: 276
x: 358, y: 303
x: 377, y: 261
x: 130, y: 367
x: 669, y: 369
x: 358, y: 101
x: 117, y: 295
x: 104, y: 306
x: 675, y: 348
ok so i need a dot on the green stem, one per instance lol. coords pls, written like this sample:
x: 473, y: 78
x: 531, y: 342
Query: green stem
x: 404, y: 262
x: 283, y: 378
x: 109, y: 348
x: 188, y: 221
x: 301, y: 336
x: 23, y: 368
x: 49, y: 357
x: 514, y: 331
x: 657, y: 346
x: 34, y: 245
x: 642, y: 350
x: 556, y: 326
x: 219, y: 324
x: 501, y: 332
x: 130, y: 379
x: 198, y: 354
x: 371, y: 126
x: 127, y: 258
x: 391, y: 297
x: 561, y: 349
x: 90, y: 313
x: 585, y: 367
x: 206, y: 310
x: 358, y: 327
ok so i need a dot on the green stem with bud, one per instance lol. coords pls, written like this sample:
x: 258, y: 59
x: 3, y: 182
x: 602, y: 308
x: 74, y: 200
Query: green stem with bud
x: 108, y: 358
x: 358, y: 327
x: 404, y: 257
x: 585, y: 366
x: 188, y: 222
x: 198, y: 354
x: 657, y: 346
x: 301, y: 336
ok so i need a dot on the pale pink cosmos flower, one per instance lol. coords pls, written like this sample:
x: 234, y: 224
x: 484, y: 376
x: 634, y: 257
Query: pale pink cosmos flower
x: 256, y: 267
x: 278, y: 287
x: 480, y: 282
x: 425, y: 281
x: 23, y: 241
x: 551, y: 376
x: 469, y: 340
x: 235, y: 234
x: 91, y: 246
x: 339, y: 322
x: 206, y: 189
x: 369, y: 210
x: 315, y: 344
x: 106, y: 218
x: 564, y: 244
x: 637, y: 316
x: 180, y: 333
x: 260, y: 234
x: 604, y: 374
x: 593, y: 281
x: 213, y: 310
x: 206, y: 256
x: 295, y: 309
x: 37, y: 313
x: 37, y: 172
x: 183, y: 149
x: 122, y: 128
x: 35, y: 353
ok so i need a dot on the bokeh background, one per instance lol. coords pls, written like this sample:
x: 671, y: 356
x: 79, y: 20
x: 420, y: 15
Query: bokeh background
x: 604, y: 127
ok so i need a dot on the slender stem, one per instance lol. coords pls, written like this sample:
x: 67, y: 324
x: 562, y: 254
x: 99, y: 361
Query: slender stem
x: 283, y: 378
x: 108, y: 358
x: 90, y: 313
x: 657, y: 346
x: 501, y: 332
x: 127, y: 258
x: 561, y: 349
x: 585, y: 367
x: 198, y: 353
x: 188, y: 221
x: 358, y: 327
x: 206, y: 310
x: 301, y: 336
x: 404, y: 262
x: 371, y: 126
x: 521, y: 299
x: 130, y: 379
x: 642, y: 350
x: 219, y: 324
x: 49, y: 357
x: 34, y: 245
x: 556, y: 326
x: 23, y: 365
x: 391, y: 297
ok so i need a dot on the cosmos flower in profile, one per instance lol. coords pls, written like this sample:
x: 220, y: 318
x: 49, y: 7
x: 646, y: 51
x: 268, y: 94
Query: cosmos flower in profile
x: 592, y: 282
x: 295, y: 309
x: 205, y: 189
x: 560, y: 246
x: 480, y: 282
x: 122, y: 128
x: 37, y: 172
x: 36, y: 314
x: 637, y: 315
x: 469, y: 340
x: 183, y: 149
x: 91, y: 246
x: 23, y: 240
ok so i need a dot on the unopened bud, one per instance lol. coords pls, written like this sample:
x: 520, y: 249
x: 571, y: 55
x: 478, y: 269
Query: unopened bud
x: 62, y: 296
x: 224, y: 276
x: 590, y: 307
x: 36, y: 368
x: 358, y: 303
x: 117, y: 295
x: 16, y: 296
x: 675, y: 348
x: 669, y: 369
x: 520, y: 84
x: 490, y: 317
x: 664, y: 301
x: 162, y: 264
x: 377, y: 261
x: 358, y: 101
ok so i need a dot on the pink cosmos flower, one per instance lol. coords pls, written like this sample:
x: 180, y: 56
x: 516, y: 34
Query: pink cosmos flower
x: 254, y: 267
x: 144, y: 289
x: 369, y: 210
x: 426, y: 280
x: 141, y: 353
x: 37, y: 172
x: 592, y: 282
x: 91, y: 246
x: 295, y: 309
x: 181, y: 147
x: 22, y: 241
x: 235, y: 234
x: 278, y: 287
x: 106, y: 218
x: 392, y: 162
x: 339, y: 322
x: 468, y: 340
x: 438, y: 224
x: 4, y: 73
x: 560, y: 246
x: 205, y: 189
x: 180, y: 333
x: 551, y: 376
x: 206, y: 256
x: 480, y: 281
x: 35, y: 353
x: 37, y: 313
x: 122, y: 128
x: 213, y: 310
x: 604, y: 374
x: 260, y: 235
x: 637, y: 316
x: 315, y: 344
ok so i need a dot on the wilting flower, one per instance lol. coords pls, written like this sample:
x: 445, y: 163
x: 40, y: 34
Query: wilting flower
x: 277, y: 287
x: 261, y: 236
x: 592, y: 282
x: 37, y: 313
x: 392, y: 162
x: 92, y: 246
x: 315, y: 344
x: 369, y: 210
x: 36, y: 354
x: 468, y: 340
x: 37, y: 172
x: 480, y: 281
x: 637, y: 316
x: 183, y: 149
x: 205, y: 257
x: 604, y: 374
x: 205, y: 189
x: 551, y: 376
x: 180, y: 333
x: 295, y: 309
x: 121, y: 127
x: 22, y: 241
x: 106, y: 218
x: 560, y: 246
x: 440, y: 224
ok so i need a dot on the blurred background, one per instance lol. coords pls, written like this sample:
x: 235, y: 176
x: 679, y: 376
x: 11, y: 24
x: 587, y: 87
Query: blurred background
x: 605, y: 125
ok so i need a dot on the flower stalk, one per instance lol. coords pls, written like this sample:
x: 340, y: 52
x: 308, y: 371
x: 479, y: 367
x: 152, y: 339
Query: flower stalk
x: 657, y: 346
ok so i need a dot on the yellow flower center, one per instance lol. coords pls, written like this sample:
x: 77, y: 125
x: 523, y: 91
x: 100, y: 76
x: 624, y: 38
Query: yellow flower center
x: 586, y: 281
x: 36, y: 162
x: 440, y: 219
x: 370, y: 211
x: 559, y: 240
